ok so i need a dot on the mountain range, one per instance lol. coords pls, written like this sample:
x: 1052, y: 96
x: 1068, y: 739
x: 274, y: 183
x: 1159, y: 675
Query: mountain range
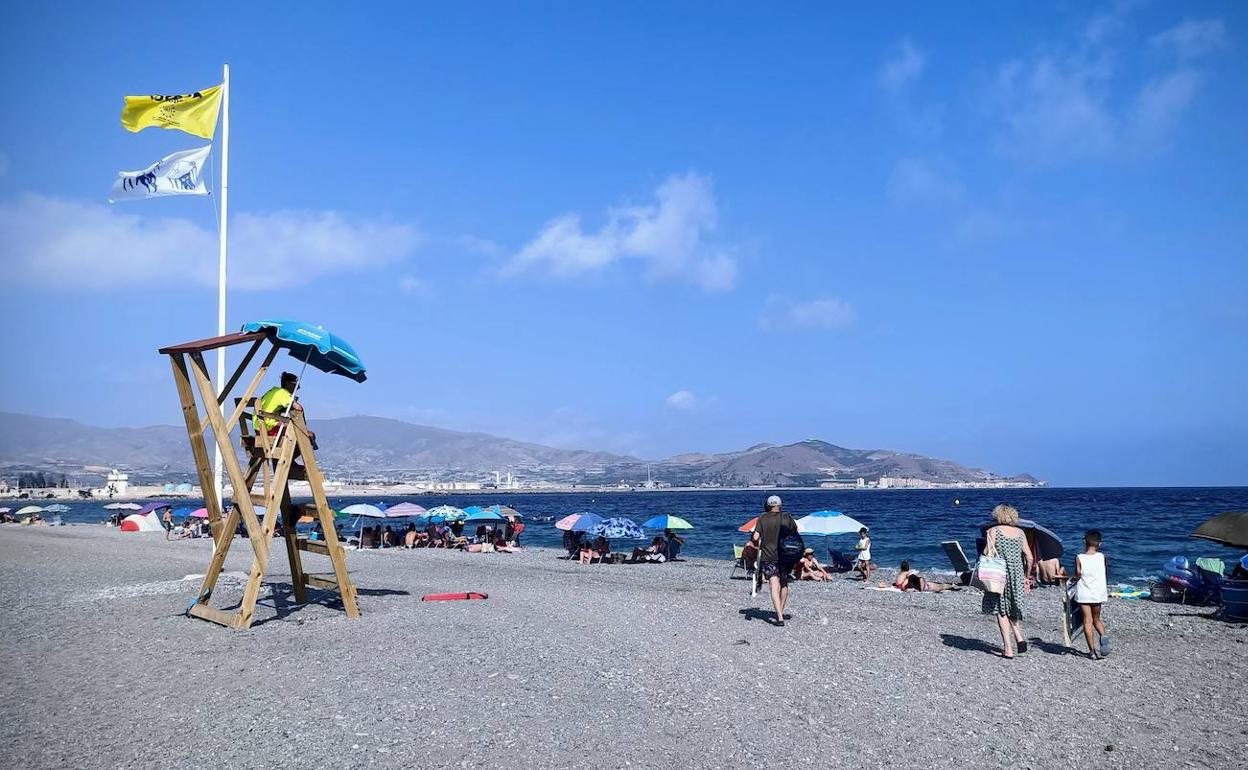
x: 374, y: 447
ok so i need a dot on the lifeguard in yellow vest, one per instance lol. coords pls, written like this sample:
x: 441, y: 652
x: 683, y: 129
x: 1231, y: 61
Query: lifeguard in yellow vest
x: 277, y: 400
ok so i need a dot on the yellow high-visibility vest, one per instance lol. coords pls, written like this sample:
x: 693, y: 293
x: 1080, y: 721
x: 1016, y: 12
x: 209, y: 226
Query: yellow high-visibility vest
x: 274, y: 401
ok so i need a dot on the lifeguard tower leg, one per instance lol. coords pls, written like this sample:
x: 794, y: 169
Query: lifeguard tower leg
x: 337, y: 557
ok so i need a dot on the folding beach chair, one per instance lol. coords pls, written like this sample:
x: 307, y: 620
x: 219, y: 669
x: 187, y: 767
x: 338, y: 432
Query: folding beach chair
x: 738, y: 553
x: 1072, y: 616
x: 1212, y: 572
x: 838, y: 562
x: 957, y: 557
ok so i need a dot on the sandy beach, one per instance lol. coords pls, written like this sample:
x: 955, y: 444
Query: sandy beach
x: 570, y: 666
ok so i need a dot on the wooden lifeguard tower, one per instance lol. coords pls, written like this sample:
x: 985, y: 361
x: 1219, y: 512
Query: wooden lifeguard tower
x: 270, y: 458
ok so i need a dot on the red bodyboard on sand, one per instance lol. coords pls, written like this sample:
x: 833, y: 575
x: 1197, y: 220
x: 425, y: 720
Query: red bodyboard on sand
x: 453, y: 597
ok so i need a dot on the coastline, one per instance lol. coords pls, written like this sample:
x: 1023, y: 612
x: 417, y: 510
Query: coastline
x: 640, y: 664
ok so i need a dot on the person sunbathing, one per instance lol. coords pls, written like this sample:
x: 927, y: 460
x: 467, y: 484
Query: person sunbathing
x: 910, y: 580
x: 586, y: 552
x: 602, y: 547
x: 809, y: 568
x: 651, y: 553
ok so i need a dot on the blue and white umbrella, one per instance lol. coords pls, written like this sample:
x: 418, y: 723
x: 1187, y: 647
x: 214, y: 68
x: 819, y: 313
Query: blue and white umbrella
x: 619, y: 528
x: 828, y: 523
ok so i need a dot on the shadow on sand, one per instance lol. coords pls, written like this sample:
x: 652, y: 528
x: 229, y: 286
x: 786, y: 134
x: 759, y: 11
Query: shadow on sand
x: 283, y: 603
x: 979, y: 645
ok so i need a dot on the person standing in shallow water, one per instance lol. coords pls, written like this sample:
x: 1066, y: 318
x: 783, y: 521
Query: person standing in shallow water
x: 1009, y: 543
x: 772, y: 526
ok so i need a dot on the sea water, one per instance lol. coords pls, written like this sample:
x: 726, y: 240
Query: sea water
x: 1142, y: 527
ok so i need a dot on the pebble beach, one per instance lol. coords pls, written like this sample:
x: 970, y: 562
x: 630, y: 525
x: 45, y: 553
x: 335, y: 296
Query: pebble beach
x: 572, y: 666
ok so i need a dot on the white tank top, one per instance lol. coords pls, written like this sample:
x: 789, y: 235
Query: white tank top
x: 1091, y: 588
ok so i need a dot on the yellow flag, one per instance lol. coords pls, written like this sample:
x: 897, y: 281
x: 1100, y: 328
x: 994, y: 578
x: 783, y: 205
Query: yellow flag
x: 193, y: 113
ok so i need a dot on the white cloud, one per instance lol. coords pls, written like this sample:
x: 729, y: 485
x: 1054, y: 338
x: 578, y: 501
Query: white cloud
x: 904, y: 66
x: 1083, y: 98
x: 413, y: 286
x: 919, y: 181
x: 68, y: 243
x: 1160, y: 105
x: 1053, y: 107
x: 1193, y: 39
x: 684, y: 400
x: 476, y: 245
x: 824, y: 313
x: 669, y: 237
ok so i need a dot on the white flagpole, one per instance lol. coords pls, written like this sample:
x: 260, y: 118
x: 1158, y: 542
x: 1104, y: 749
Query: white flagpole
x: 221, y: 262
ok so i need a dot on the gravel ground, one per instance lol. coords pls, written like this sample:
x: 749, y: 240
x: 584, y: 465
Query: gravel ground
x: 570, y: 666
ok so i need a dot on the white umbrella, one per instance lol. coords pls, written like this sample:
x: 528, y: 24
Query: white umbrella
x: 828, y: 523
x: 122, y: 507
x: 28, y: 510
x: 366, y: 511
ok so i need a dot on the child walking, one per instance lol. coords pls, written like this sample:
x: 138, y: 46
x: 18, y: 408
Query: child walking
x: 1091, y: 592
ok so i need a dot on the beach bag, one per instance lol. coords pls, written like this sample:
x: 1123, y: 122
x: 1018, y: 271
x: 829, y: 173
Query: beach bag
x: 990, y: 570
x: 791, y: 548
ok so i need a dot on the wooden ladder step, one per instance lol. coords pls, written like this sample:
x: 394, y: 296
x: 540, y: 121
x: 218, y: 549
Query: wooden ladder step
x: 316, y: 581
x: 314, y: 546
x: 227, y: 619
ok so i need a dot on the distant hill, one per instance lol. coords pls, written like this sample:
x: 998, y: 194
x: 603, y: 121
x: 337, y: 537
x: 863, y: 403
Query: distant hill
x: 806, y: 463
x: 377, y: 446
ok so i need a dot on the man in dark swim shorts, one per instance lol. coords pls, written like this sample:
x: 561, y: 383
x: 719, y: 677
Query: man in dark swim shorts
x: 771, y: 526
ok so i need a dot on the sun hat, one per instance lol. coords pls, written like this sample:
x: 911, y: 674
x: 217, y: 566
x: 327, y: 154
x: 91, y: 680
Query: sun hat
x: 809, y: 550
x: 773, y: 500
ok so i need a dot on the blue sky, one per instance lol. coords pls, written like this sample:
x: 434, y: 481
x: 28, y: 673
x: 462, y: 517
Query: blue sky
x: 1008, y: 235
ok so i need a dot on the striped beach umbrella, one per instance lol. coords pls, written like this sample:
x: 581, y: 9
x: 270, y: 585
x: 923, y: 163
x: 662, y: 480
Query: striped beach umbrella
x: 404, y: 509
x: 579, y: 522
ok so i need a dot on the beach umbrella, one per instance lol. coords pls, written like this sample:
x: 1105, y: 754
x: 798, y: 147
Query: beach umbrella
x: 667, y: 522
x: 182, y: 513
x: 483, y: 515
x: 473, y: 510
x: 446, y: 513
x: 312, y: 345
x: 402, y: 510
x: 28, y: 510
x: 56, y: 508
x: 619, y: 528
x: 153, y: 507
x: 579, y: 522
x: 1044, y: 543
x: 827, y: 523
x: 1228, y: 529
x: 506, y: 512
x: 365, y: 510
x: 122, y: 507
x: 6, y: 510
x: 199, y: 513
x: 749, y: 525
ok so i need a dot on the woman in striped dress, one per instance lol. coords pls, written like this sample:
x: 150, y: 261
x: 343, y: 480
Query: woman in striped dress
x: 1010, y: 544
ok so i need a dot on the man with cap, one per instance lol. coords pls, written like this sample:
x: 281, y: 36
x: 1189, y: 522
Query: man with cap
x: 771, y: 528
